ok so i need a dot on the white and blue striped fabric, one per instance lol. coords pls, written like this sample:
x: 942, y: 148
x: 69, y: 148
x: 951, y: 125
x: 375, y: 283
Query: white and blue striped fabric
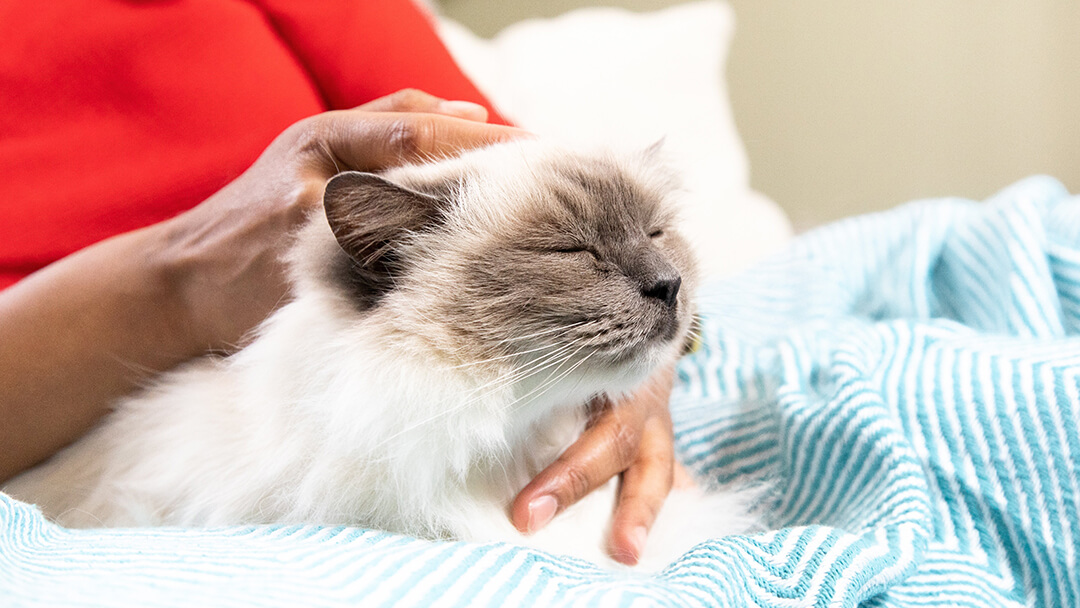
x: 908, y: 382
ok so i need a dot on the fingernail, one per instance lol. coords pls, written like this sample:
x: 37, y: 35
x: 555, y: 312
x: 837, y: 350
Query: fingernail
x: 541, y: 511
x: 463, y: 109
x: 637, y: 539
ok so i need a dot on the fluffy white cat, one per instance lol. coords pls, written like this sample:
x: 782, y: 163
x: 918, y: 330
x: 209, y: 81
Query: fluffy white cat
x: 449, y: 322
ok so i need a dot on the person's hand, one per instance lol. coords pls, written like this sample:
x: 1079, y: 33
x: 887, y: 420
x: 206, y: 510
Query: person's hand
x: 225, y: 254
x: 632, y: 438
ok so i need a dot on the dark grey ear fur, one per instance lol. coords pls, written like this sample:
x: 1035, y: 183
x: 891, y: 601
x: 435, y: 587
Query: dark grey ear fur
x: 369, y: 216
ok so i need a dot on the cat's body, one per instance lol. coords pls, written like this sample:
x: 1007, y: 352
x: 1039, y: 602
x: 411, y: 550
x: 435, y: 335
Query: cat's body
x: 447, y: 330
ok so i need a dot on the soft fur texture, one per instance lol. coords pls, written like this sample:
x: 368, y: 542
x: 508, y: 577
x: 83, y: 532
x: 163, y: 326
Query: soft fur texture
x: 450, y: 321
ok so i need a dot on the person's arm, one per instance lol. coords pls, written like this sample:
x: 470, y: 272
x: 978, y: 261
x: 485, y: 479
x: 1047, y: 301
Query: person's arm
x: 76, y: 335
x: 91, y: 327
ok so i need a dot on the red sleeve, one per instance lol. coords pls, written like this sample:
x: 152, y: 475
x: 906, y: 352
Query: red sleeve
x: 358, y: 50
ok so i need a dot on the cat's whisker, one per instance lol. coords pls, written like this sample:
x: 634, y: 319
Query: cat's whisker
x: 98, y: 520
x: 330, y: 155
x: 542, y: 332
x: 501, y: 357
x: 557, y: 366
x: 568, y: 372
x: 693, y: 335
x: 542, y: 363
x: 546, y: 386
x: 514, y: 354
x: 470, y: 400
x: 513, y: 376
x: 537, y: 365
x: 427, y: 318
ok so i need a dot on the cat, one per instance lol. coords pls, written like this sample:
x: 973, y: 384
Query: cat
x: 449, y: 323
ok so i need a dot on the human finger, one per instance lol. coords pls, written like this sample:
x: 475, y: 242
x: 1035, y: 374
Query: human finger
x: 415, y: 100
x: 644, y: 487
x: 370, y: 141
x: 608, y: 447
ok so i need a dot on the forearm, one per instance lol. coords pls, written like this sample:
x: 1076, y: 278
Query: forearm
x: 77, y: 335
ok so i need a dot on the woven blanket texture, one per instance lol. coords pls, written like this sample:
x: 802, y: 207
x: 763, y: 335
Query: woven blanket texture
x: 906, y: 383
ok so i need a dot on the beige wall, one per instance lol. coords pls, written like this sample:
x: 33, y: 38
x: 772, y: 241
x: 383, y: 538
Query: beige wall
x: 847, y: 106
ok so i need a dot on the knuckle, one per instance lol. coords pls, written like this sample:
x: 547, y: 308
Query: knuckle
x: 577, y: 482
x: 308, y: 135
x: 625, y: 441
x: 656, y: 462
x: 411, y: 137
x: 310, y: 147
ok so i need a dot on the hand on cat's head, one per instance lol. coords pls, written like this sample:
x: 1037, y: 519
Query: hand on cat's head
x: 226, y: 253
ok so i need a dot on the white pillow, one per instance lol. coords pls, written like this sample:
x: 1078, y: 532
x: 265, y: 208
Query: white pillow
x: 612, y: 77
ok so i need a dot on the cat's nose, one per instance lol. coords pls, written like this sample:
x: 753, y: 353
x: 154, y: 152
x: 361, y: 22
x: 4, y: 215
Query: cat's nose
x: 665, y: 289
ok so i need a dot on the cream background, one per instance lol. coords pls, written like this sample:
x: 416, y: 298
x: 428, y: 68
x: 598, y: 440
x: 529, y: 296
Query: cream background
x: 848, y: 106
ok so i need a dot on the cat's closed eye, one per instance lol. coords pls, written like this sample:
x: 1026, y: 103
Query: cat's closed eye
x: 656, y: 233
x: 576, y: 249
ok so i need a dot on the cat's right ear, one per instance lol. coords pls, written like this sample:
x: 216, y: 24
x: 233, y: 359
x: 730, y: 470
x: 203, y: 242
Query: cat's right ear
x: 369, y: 216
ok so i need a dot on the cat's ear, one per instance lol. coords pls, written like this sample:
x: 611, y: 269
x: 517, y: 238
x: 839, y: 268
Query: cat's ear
x: 369, y: 215
x: 655, y: 150
x: 658, y: 166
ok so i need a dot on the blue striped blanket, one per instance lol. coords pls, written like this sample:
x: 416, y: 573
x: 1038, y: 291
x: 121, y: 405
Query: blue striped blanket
x: 908, y: 381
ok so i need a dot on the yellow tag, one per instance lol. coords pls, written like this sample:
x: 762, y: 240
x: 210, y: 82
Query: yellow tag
x: 693, y: 338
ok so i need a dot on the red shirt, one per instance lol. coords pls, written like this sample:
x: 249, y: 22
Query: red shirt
x: 119, y: 114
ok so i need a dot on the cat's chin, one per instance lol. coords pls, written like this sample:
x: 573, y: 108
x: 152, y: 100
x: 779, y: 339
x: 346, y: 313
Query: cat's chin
x: 659, y: 346
x: 629, y: 368
x: 665, y: 330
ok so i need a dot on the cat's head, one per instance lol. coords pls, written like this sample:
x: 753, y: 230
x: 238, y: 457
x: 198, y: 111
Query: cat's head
x: 522, y: 254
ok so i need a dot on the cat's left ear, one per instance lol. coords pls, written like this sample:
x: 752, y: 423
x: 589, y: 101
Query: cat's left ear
x: 655, y: 150
x: 369, y: 216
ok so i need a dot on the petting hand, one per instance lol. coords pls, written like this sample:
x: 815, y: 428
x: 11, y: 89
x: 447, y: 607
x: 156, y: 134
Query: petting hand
x: 230, y: 275
x: 632, y: 438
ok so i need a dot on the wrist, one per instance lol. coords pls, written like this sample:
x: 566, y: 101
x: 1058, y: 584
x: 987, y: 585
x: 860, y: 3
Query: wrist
x: 172, y: 270
x: 221, y: 264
